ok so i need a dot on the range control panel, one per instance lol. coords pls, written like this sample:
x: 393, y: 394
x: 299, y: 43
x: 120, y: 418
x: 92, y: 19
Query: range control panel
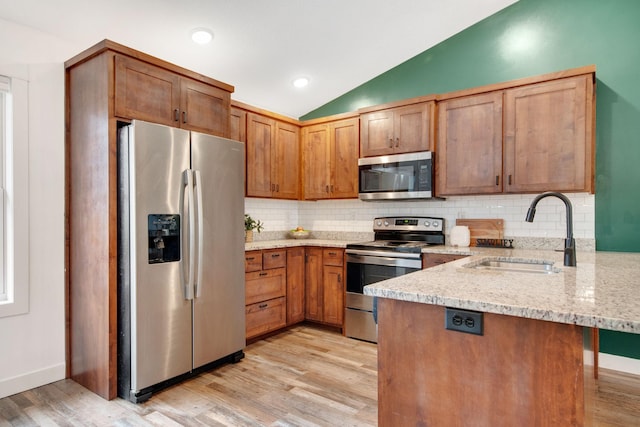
x: 408, y: 223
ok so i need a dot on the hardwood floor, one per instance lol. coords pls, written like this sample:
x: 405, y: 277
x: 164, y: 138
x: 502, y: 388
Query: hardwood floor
x: 305, y: 376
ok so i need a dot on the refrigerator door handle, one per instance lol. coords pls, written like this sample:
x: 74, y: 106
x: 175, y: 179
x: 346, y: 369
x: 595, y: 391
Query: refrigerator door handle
x: 188, y: 189
x: 199, y: 203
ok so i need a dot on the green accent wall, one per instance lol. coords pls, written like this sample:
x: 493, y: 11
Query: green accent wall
x: 534, y: 37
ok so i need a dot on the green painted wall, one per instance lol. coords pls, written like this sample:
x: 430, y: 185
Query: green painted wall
x: 535, y: 37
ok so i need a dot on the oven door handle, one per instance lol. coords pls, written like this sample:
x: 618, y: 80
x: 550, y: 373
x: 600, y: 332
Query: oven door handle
x: 385, y: 261
x: 384, y: 254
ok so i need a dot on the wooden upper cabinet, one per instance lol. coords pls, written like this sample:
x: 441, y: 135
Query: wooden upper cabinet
x: 344, y: 138
x: 548, y: 136
x: 287, y: 161
x: 469, y: 157
x: 261, y: 133
x: 147, y: 92
x: 273, y: 158
x: 317, y: 161
x: 238, y: 124
x: 397, y: 130
x: 204, y: 108
x: 331, y: 160
x: 526, y: 139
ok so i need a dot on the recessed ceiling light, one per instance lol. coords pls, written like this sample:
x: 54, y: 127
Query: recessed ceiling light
x: 301, y: 82
x: 201, y: 35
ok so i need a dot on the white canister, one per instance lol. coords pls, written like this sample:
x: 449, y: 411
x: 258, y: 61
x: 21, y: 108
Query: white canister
x: 460, y: 236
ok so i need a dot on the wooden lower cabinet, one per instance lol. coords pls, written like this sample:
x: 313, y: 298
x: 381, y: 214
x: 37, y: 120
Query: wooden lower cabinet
x: 325, y: 285
x: 265, y: 291
x: 295, y: 285
x: 265, y: 316
x: 519, y: 372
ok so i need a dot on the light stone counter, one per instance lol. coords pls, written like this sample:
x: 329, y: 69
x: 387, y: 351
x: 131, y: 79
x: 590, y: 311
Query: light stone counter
x: 603, y: 291
x: 291, y: 243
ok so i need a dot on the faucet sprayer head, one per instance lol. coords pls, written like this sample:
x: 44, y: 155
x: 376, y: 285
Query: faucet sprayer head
x: 530, y: 214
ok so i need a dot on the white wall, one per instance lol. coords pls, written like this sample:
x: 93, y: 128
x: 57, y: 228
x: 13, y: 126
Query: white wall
x: 32, y: 345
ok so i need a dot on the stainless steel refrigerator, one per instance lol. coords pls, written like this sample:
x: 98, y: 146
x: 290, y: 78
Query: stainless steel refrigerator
x: 181, y: 262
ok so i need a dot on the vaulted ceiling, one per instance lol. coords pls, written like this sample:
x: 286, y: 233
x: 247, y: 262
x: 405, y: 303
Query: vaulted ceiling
x: 261, y: 46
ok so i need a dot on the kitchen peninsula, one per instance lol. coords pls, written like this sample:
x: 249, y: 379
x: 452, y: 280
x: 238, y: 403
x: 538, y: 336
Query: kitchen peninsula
x: 528, y: 367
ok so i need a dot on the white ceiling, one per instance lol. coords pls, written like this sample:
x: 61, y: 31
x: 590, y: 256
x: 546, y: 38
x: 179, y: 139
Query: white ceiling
x: 260, y: 46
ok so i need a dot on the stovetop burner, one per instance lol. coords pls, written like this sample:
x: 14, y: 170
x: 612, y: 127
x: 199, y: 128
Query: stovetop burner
x: 404, y: 234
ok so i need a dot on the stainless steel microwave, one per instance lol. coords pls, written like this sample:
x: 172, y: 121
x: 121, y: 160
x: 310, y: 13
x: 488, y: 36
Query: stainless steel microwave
x: 396, y: 177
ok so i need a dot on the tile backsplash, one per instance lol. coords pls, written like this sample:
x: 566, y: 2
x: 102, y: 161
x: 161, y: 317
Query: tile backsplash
x: 357, y: 216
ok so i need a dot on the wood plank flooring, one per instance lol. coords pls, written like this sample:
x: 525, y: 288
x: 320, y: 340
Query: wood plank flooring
x: 306, y: 376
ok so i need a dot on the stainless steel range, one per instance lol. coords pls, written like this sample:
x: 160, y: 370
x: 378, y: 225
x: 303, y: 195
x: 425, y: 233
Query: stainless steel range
x: 396, y: 250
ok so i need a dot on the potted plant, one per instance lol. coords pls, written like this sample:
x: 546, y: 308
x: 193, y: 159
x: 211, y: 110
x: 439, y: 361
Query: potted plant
x: 251, y: 224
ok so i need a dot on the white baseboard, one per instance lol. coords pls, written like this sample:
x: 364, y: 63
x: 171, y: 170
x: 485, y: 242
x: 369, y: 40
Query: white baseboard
x: 619, y: 363
x: 20, y: 383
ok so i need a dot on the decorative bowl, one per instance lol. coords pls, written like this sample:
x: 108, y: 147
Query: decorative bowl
x: 304, y: 234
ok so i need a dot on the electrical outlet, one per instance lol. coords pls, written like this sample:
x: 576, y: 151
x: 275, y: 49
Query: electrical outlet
x: 468, y: 321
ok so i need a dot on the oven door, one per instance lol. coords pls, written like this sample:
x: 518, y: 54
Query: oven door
x: 363, y: 268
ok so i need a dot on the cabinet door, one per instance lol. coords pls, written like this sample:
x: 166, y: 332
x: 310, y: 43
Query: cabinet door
x: 377, y: 133
x: 548, y: 139
x: 469, y: 154
x: 204, y: 108
x: 344, y: 137
x: 238, y: 124
x: 313, y: 284
x: 316, y: 162
x: 333, y: 295
x: 287, y: 162
x: 146, y: 92
x: 261, y: 133
x: 295, y: 285
x: 412, y: 128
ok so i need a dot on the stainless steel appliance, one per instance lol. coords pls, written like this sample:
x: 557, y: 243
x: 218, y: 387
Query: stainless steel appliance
x: 396, y: 250
x: 396, y: 177
x: 181, y: 272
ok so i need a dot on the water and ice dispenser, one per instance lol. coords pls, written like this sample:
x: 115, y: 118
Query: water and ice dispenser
x: 164, y: 238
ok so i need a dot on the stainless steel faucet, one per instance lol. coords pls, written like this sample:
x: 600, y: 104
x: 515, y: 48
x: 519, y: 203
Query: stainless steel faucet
x: 569, y: 242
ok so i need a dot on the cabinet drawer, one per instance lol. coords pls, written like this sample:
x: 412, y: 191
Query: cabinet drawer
x: 274, y: 259
x: 252, y: 261
x: 265, y: 316
x: 333, y: 257
x: 264, y: 285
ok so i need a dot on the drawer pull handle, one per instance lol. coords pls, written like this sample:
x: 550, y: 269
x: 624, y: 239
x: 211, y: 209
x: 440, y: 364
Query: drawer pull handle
x: 263, y: 273
x: 333, y: 253
x: 251, y: 258
x: 263, y: 306
x: 275, y: 255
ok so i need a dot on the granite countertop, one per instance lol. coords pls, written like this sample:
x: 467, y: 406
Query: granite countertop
x: 291, y: 243
x: 603, y: 291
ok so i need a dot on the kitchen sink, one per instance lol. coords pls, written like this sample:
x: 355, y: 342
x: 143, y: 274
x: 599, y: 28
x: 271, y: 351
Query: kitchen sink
x: 515, y: 265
